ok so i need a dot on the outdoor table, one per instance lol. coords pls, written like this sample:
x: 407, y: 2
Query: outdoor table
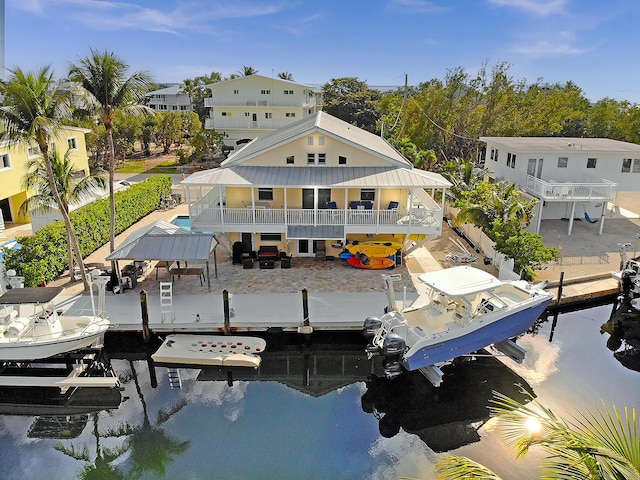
x: 199, y: 271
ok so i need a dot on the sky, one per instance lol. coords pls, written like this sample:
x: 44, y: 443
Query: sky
x: 593, y: 43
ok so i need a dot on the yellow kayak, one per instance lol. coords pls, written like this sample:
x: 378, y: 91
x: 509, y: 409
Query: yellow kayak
x: 386, y: 243
x: 371, y: 250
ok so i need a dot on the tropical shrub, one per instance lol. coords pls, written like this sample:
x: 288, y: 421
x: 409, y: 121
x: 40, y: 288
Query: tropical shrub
x: 43, y: 257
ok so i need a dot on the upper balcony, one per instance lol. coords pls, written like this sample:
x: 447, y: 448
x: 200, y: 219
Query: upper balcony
x: 570, y: 191
x: 212, y: 102
x: 245, y: 123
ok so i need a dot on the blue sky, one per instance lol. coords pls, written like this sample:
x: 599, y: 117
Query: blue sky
x: 591, y: 42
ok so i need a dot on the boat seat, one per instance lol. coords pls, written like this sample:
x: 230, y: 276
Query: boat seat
x: 12, y: 315
x: 18, y: 327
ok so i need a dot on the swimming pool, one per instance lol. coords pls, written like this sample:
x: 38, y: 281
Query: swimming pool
x: 182, y: 221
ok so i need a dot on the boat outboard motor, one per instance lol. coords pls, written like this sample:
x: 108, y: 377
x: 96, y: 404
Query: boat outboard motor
x: 393, y: 344
x: 371, y: 326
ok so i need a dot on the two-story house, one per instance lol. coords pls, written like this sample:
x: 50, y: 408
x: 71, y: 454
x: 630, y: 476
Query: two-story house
x: 248, y: 107
x: 313, y: 186
x: 13, y: 161
x: 571, y: 177
x: 169, y: 99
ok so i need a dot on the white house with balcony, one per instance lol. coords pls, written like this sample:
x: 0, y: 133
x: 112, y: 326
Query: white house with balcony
x: 248, y: 107
x: 169, y: 99
x: 314, y: 185
x: 572, y: 177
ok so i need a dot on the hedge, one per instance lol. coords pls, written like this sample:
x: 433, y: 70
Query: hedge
x: 43, y: 256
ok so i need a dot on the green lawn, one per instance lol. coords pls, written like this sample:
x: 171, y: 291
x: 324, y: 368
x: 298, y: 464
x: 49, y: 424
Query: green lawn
x: 148, y: 166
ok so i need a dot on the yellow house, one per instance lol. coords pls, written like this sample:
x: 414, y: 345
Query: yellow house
x: 311, y: 187
x: 13, y: 161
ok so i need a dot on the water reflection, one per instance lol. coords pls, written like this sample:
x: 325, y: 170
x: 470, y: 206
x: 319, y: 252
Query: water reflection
x: 624, y: 335
x: 446, y: 417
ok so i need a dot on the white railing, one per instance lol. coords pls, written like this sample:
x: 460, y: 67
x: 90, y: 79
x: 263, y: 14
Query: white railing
x: 550, y: 190
x: 262, y: 123
x: 215, y: 216
x: 293, y: 103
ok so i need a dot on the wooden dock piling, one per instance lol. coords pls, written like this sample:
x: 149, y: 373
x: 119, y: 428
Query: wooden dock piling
x: 144, y: 306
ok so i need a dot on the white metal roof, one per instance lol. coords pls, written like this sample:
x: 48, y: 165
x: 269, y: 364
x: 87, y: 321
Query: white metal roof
x: 328, y: 125
x: 460, y: 281
x: 340, y: 176
x: 267, y: 80
x: 563, y: 144
x: 164, y: 241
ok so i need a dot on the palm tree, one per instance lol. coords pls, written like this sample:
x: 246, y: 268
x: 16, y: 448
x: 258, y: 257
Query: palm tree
x: 286, y: 76
x: 72, y: 184
x: 34, y: 106
x: 604, y: 444
x: 245, y: 71
x: 106, y: 90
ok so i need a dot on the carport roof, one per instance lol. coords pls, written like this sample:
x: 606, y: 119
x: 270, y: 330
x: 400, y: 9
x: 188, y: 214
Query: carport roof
x: 165, y: 241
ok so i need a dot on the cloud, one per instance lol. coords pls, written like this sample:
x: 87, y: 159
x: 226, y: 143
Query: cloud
x: 418, y: 6
x: 183, y: 17
x: 538, y: 7
x: 562, y: 44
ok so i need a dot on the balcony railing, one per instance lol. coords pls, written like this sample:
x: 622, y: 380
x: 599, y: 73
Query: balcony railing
x: 216, y: 217
x: 260, y: 124
x: 293, y: 103
x: 570, y: 191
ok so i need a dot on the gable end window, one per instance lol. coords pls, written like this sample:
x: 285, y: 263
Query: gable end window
x: 511, y: 160
x: 309, y: 140
x: 311, y: 158
x: 265, y: 194
x: 636, y: 165
x: 342, y: 160
x: 288, y: 92
x: 5, y: 161
x: 290, y: 160
x: 290, y: 114
x: 236, y: 92
x: 72, y: 143
x: 268, y: 115
x: 626, y: 165
x: 494, y: 154
x: 591, y: 162
x: 322, y: 158
x: 562, y: 162
x: 226, y: 114
x: 265, y: 92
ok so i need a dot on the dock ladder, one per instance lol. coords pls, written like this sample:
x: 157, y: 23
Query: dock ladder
x: 166, y: 301
x: 174, y: 378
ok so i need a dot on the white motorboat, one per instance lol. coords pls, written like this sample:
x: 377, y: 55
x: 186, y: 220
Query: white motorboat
x: 31, y: 327
x: 463, y: 310
x: 628, y: 276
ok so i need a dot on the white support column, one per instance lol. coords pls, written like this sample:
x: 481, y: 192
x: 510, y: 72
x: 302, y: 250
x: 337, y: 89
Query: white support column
x: 573, y: 214
x: 539, y: 219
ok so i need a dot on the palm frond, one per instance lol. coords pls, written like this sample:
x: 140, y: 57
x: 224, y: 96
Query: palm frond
x: 452, y: 467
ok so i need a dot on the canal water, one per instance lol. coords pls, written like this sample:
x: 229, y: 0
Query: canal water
x: 316, y: 412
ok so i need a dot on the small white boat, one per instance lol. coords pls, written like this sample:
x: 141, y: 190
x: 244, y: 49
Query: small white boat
x: 213, y: 350
x: 31, y: 327
x: 464, y: 309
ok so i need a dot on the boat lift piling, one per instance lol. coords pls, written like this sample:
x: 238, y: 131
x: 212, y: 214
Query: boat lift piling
x: 305, y: 328
x: 559, y: 297
x: 227, y: 312
x: 144, y: 306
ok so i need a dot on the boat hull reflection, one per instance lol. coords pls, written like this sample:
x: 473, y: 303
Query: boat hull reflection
x: 445, y: 417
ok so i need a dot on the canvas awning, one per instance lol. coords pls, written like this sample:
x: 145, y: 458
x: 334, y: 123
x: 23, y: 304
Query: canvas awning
x: 165, y: 241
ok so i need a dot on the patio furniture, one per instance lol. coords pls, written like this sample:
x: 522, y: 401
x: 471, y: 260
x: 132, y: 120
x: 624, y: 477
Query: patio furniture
x: 267, y: 264
x: 177, y: 271
x: 268, y: 252
x: 247, y: 263
x: 285, y: 262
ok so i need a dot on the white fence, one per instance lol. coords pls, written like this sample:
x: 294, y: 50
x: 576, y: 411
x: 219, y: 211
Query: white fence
x: 486, y: 246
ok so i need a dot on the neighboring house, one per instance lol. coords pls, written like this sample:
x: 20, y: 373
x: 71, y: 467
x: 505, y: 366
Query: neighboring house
x: 169, y: 99
x: 572, y: 177
x: 13, y: 160
x: 248, y: 107
x: 312, y: 186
